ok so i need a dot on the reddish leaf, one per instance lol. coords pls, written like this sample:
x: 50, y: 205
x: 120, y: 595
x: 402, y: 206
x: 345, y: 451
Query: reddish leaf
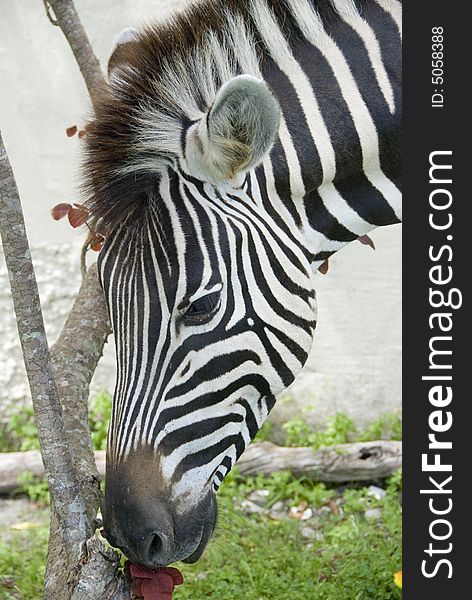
x: 71, y: 131
x: 154, y: 585
x: 367, y: 241
x: 82, y: 133
x: 324, y: 267
x: 96, y: 246
x: 60, y: 211
x: 96, y: 242
x: 78, y: 216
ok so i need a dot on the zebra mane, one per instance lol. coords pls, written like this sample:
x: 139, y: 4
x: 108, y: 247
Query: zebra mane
x: 159, y: 83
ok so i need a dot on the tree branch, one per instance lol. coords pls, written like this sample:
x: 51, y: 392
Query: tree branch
x: 47, y: 407
x: 67, y: 19
x: 75, y: 356
x: 63, y: 431
x: 47, y: 6
x: 79, y: 347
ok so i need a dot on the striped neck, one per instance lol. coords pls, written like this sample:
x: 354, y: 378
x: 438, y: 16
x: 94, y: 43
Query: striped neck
x: 336, y: 165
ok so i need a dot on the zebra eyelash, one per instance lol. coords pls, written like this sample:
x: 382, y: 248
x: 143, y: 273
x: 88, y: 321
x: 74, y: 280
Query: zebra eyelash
x: 202, y: 309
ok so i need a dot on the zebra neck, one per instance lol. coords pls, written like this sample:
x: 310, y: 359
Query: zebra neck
x: 336, y: 164
x: 323, y: 219
x: 332, y: 219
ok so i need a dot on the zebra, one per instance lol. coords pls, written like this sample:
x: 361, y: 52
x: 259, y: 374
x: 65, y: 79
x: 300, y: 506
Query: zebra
x: 237, y: 147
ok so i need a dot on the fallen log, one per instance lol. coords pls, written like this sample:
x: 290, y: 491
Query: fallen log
x: 359, y: 461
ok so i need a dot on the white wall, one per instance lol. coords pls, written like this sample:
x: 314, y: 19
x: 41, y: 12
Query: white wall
x: 355, y: 364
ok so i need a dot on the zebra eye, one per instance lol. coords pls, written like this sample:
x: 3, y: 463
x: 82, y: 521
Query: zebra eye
x: 202, y: 309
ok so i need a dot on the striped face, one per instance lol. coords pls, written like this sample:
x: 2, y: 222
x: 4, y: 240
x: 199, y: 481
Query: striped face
x: 228, y: 161
x: 213, y: 312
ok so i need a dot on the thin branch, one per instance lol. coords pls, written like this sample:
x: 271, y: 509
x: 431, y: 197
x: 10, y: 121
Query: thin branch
x: 48, y: 9
x: 79, y: 566
x: 83, y: 257
x: 75, y: 356
x: 59, y: 467
x: 67, y: 19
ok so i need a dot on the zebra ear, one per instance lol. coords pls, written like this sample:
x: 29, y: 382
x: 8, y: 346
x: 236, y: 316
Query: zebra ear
x: 120, y: 47
x: 239, y: 128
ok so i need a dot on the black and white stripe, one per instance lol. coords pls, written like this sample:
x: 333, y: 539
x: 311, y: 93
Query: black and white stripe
x: 195, y: 389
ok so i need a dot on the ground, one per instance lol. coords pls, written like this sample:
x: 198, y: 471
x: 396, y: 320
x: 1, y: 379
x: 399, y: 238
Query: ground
x: 277, y: 538
x: 345, y: 544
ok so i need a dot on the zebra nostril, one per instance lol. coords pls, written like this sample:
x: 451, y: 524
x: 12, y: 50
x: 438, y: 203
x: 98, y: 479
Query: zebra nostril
x: 156, y: 546
x: 157, y: 549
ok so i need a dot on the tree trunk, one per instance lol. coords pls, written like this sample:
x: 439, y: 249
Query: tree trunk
x: 52, y: 435
x: 79, y: 565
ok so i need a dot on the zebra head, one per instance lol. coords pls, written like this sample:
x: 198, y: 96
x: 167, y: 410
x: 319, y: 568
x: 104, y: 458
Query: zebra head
x: 210, y: 294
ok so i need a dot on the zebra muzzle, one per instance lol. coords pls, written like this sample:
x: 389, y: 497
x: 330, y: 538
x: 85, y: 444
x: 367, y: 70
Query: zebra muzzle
x: 141, y: 518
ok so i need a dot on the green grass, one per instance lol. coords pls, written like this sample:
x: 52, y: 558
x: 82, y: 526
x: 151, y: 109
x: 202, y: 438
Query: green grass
x: 99, y: 413
x: 340, y: 429
x: 22, y: 563
x: 254, y: 557
x: 20, y: 433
